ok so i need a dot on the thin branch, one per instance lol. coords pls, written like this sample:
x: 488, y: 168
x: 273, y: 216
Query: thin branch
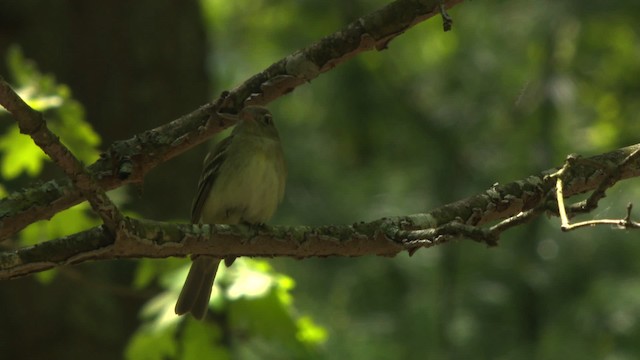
x: 31, y: 122
x: 447, y: 20
x: 516, y: 220
x: 559, y: 175
x: 129, y: 161
x: 613, y: 174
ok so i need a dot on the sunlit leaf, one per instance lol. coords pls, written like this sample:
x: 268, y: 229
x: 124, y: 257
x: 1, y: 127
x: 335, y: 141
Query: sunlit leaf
x: 70, y: 221
x: 64, y: 116
x: 258, y: 303
x: 309, y: 332
x: 19, y: 154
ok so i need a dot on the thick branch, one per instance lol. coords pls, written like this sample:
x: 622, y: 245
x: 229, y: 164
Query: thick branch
x: 159, y: 240
x: 129, y: 161
x: 387, y: 237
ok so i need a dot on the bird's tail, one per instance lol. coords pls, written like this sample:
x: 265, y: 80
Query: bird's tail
x: 195, y: 294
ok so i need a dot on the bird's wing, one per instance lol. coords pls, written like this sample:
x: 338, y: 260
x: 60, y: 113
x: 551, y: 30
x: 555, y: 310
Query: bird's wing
x: 212, y: 164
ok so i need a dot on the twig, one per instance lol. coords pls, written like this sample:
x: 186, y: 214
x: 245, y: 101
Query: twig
x: 518, y: 219
x: 447, y: 20
x: 613, y: 175
x: 559, y: 192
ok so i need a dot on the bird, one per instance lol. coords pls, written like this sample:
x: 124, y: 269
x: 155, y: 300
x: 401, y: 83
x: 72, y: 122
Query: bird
x: 242, y: 181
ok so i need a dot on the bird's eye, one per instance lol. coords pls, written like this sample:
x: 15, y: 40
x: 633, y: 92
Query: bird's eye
x: 268, y: 119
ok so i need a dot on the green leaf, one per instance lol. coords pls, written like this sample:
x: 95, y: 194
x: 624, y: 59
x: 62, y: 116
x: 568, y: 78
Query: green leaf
x: 256, y: 302
x: 72, y: 220
x: 309, y: 332
x: 19, y: 154
x: 64, y: 116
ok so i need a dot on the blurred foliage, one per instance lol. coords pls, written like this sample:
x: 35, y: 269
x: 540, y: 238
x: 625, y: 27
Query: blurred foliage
x: 65, y: 117
x: 513, y: 89
x: 252, y: 306
x: 19, y: 154
x: 510, y: 91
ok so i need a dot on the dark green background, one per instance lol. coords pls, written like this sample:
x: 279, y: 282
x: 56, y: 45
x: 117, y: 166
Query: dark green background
x: 514, y: 88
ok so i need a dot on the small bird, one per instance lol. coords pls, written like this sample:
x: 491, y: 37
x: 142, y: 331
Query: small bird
x: 242, y: 181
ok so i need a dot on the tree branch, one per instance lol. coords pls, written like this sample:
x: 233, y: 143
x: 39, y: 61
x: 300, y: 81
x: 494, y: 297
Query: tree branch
x: 31, y: 122
x: 129, y: 161
x: 514, y: 203
x: 591, y: 203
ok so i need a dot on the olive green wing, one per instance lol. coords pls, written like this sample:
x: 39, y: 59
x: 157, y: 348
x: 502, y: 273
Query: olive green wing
x: 210, y: 171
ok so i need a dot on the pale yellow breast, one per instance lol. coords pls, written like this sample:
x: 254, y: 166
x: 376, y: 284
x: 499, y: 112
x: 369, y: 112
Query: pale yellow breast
x: 253, y: 190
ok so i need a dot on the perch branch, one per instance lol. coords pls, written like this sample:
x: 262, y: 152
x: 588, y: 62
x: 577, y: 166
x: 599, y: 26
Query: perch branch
x: 514, y: 203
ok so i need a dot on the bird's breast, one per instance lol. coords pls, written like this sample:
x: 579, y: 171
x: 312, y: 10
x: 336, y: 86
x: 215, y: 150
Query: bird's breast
x: 251, y: 192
